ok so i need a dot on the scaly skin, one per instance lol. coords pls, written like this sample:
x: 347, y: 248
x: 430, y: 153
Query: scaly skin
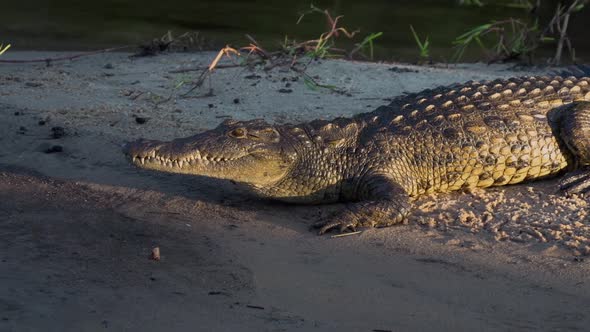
x: 468, y: 135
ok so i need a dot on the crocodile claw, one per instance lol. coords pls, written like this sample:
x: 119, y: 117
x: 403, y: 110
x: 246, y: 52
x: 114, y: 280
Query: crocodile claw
x: 327, y: 225
x: 366, y: 214
x: 347, y: 220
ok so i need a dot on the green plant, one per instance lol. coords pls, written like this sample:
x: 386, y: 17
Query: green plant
x: 323, y: 46
x: 314, y: 85
x: 181, y: 81
x: 510, y: 39
x: 515, y: 38
x: 423, y: 46
x: 4, y: 48
x: 292, y: 55
x: 366, y: 44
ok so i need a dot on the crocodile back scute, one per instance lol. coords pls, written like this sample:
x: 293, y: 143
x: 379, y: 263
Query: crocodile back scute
x: 477, y: 134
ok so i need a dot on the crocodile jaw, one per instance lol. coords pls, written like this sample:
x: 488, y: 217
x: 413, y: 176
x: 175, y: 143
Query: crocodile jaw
x: 186, y: 163
x: 251, y: 167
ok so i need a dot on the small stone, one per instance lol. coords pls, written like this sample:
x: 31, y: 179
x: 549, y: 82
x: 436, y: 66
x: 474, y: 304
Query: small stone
x: 141, y: 120
x: 58, y: 132
x: 54, y: 149
x: 33, y: 84
x: 236, y: 100
x: 155, y: 254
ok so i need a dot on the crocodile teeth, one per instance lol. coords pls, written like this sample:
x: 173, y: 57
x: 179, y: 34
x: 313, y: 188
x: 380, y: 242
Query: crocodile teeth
x: 168, y: 161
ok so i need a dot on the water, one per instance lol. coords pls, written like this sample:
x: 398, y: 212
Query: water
x: 84, y: 25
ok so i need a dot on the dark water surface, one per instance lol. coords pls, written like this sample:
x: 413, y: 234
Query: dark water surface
x: 83, y: 25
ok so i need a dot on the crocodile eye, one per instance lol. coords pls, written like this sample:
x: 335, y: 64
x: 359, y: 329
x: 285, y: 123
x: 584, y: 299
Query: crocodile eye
x: 238, y: 133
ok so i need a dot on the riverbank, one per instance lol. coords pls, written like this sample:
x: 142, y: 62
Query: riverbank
x: 79, y: 223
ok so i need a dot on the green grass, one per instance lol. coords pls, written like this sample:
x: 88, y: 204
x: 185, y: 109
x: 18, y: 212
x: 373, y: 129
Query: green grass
x: 466, y: 39
x: 423, y: 46
x: 507, y: 39
x: 519, y: 38
x: 367, y: 44
x: 4, y: 48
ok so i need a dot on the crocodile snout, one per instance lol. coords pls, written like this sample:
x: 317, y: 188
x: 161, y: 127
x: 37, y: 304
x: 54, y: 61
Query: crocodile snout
x: 141, y: 148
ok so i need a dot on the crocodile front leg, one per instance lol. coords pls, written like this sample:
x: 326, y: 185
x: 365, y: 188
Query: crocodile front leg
x: 573, y: 126
x: 382, y: 202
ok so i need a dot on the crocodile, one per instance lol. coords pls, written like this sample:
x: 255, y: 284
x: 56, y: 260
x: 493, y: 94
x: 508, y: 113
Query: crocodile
x: 475, y: 134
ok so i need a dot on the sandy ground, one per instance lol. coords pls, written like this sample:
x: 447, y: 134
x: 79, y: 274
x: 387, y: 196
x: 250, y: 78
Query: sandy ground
x: 77, y: 226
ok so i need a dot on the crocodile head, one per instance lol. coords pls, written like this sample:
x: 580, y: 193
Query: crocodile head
x: 250, y: 152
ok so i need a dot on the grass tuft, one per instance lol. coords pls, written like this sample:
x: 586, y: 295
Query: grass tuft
x: 423, y: 46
